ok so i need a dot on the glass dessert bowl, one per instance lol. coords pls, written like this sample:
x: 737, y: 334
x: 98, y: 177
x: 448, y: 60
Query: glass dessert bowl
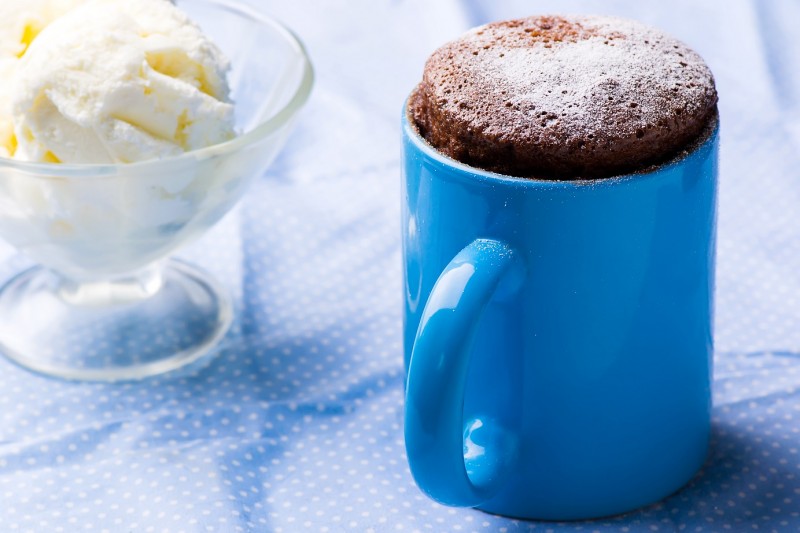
x: 105, y: 304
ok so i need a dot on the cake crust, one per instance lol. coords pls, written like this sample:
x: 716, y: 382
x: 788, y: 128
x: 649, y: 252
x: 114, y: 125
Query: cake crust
x: 556, y: 97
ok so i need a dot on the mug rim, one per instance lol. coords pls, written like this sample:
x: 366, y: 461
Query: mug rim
x: 474, y: 173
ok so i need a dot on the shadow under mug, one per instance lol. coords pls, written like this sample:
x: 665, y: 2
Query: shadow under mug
x: 558, y: 334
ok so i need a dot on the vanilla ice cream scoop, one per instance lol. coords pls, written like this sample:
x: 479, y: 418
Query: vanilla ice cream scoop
x: 8, y: 141
x: 120, y: 81
x: 21, y: 21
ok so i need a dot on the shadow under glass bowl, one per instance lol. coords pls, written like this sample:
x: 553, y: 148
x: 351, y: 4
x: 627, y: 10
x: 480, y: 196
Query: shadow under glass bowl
x: 104, y: 305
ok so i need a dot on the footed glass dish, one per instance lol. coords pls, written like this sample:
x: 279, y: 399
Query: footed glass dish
x: 105, y: 304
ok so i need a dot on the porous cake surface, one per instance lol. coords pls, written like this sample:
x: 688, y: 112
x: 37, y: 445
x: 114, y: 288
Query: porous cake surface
x: 564, y: 97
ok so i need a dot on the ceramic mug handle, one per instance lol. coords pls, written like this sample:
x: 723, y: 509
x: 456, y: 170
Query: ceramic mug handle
x: 437, y: 374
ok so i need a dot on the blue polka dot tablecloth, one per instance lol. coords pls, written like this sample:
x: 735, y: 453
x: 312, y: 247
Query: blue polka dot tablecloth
x: 297, y: 424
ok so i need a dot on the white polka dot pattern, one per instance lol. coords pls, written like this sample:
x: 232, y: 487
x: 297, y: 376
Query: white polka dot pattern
x: 296, y: 425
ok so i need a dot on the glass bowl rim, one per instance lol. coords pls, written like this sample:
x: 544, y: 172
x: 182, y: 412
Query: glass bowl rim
x: 89, y: 171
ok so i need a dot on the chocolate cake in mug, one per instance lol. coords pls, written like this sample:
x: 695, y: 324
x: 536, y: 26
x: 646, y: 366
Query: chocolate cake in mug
x: 564, y: 97
x: 559, y: 233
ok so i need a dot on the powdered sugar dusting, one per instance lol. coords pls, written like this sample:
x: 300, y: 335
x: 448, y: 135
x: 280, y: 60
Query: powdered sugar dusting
x: 569, y: 91
x: 583, y: 83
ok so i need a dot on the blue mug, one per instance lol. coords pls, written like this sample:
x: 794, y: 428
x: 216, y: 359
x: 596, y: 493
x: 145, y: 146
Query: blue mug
x: 558, y: 334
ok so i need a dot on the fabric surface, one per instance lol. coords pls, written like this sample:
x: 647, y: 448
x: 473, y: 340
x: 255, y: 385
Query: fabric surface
x: 296, y: 425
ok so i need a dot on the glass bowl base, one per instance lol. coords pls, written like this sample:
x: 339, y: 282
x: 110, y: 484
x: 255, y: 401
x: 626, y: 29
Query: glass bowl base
x: 147, y: 324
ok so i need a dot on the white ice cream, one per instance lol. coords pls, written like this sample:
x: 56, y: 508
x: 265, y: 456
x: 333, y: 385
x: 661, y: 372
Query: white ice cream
x: 114, y: 81
x: 117, y: 81
x: 8, y: 142
x: 21, y: 21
